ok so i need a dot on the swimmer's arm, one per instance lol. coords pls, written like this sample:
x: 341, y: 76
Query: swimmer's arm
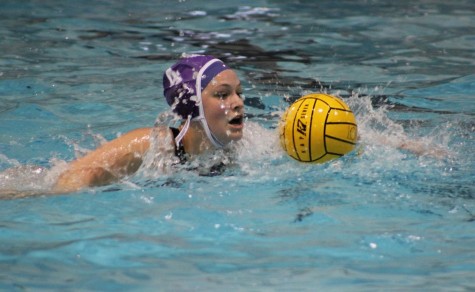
x: 110, y: 162
x: 418, y: 147
x: 421, y: 148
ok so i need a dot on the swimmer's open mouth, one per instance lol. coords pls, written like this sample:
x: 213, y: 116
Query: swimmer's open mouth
x: 237, y: 120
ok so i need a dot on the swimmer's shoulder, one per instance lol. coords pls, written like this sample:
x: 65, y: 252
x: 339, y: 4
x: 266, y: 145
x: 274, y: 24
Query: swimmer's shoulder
x: 139, y: 139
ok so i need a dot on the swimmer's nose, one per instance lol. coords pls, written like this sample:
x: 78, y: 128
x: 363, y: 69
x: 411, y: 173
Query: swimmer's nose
x: 237, y: 103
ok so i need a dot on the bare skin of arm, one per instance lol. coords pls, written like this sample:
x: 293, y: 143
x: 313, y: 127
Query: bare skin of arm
x: 108, y: 163
x: 420, y: 148
x: 417, y: 147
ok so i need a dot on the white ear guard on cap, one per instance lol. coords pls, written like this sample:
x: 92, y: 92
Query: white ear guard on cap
x: 216, y: 143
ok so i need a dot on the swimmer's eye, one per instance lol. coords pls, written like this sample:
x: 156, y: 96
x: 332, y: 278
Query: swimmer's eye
x: 221, y: 94
x: 225, y: 94
x: 240, y: 92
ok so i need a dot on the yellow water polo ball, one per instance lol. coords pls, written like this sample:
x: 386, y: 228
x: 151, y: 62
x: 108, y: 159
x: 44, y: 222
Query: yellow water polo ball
x: 318, y: 128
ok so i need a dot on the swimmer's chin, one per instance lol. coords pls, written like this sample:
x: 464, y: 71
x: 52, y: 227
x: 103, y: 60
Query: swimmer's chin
x: 234, y: 134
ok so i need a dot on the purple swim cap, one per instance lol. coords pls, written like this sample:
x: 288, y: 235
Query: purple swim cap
x: 184, y: 81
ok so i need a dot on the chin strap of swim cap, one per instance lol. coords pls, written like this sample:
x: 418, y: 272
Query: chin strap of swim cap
x: 183, y: 131
x: 201, y: 117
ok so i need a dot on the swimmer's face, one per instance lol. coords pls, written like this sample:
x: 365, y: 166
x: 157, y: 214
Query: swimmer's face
x: 224, y: 107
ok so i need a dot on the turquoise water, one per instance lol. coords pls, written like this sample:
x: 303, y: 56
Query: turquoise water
x: 75, y: 74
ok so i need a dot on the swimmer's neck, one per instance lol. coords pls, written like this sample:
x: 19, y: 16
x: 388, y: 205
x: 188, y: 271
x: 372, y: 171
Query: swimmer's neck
x: 195, y: 140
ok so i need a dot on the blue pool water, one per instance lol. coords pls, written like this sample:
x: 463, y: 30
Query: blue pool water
x: 74, y: 74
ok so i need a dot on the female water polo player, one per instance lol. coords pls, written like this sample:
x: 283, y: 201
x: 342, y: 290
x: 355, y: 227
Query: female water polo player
x: 203, y: 91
